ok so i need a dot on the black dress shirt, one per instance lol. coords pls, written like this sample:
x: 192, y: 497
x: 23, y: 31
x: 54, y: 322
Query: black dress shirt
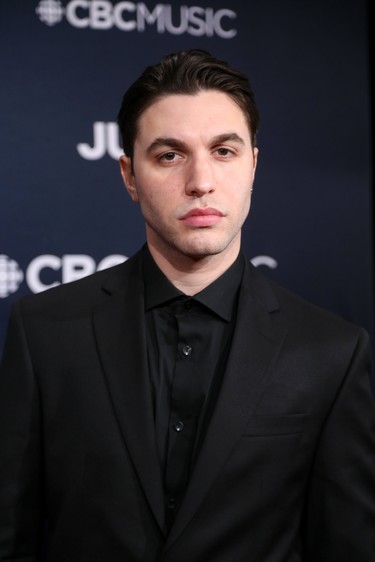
x: 188, y: 339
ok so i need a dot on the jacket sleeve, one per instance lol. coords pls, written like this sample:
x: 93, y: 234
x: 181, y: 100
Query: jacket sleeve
x: 20, y: 449
x: 340, y: 510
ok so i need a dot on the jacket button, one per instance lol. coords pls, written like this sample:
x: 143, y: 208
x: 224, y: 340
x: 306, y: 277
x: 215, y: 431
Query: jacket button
x: 186, y: 350
x: 171, y: 503
x: 179, y: 426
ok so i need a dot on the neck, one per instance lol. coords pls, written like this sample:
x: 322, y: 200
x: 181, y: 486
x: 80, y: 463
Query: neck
x: 191, y: 275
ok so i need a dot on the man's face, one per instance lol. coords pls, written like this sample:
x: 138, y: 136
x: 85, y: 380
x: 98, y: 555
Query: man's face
x: 193, y: 170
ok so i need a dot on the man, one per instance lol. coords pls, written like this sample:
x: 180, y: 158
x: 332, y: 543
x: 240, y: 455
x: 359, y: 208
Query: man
x: 180, y: 407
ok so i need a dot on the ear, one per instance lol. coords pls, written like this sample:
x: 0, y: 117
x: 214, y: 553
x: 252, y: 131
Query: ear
x: 255, y: 158
x: 128, y: 177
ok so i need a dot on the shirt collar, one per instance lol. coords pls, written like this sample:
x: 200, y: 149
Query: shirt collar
x: 219, y: 296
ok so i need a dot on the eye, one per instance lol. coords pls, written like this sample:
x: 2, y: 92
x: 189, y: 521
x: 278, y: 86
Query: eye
x: 223, y: 151
x: 169, y: 157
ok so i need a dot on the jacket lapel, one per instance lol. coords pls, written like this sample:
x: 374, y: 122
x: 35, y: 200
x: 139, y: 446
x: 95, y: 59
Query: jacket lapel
x: 120, y: 334
x: 256, y: 342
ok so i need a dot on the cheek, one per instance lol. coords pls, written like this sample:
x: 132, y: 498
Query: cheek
x: 240, y: 201
x: 161, y: 195
x: 153, y: 200
x: 241, y: 191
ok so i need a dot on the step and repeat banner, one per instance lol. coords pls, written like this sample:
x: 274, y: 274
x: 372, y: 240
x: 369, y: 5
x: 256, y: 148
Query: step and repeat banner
x: 65, y: 65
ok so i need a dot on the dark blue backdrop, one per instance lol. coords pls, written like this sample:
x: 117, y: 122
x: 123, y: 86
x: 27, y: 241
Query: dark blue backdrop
x: 64, y: 67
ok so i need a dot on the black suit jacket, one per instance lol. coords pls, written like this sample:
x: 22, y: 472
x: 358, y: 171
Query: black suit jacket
x: 286, y: 471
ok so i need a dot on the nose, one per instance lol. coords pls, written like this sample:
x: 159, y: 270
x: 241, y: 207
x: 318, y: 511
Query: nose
x: 200, y: 177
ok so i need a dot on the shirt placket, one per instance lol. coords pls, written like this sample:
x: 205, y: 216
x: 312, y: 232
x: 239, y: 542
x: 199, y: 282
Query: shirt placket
x: 185, y: 403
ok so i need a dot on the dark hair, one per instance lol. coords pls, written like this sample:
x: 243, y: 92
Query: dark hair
x: 186, y: 72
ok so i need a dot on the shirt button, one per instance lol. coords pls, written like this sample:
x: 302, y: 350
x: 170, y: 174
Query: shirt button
x: 186, y: 350
x: 188, y: 305
x: 179, y: 426
x: 171, y: 504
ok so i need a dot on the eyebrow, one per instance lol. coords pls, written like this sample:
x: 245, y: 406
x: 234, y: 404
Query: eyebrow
x: 224, y: 137
x: 165, y: 141
x: 177, y: 143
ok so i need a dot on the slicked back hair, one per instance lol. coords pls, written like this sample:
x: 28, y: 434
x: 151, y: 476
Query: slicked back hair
x: 186, y: 72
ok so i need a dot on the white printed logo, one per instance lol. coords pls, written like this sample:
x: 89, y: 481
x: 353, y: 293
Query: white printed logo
x: 70, y: 267
x: 267, y: 261
x: 11, y: 276
x: 50, y: 12
x: 131, y: 16
x: 105, y: 140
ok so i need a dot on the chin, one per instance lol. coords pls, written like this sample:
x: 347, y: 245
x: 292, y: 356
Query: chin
x: 200, y: 250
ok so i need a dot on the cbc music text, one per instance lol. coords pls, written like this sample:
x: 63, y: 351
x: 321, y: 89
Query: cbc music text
x: 167, y: 18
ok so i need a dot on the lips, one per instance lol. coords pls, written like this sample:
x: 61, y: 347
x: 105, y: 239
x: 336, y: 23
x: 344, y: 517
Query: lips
x: 202, y: 217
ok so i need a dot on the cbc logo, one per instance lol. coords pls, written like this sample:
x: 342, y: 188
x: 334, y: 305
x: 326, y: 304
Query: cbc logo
x: 11, y: 276
x: 130, y: 16
x: 70, y: 267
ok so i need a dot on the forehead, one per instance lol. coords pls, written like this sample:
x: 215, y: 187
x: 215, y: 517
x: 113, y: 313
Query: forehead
x: 208, y: 111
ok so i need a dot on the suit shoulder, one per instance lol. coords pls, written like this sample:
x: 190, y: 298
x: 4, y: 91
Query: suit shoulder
x: 305, y: 317
x: 81, y: 294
